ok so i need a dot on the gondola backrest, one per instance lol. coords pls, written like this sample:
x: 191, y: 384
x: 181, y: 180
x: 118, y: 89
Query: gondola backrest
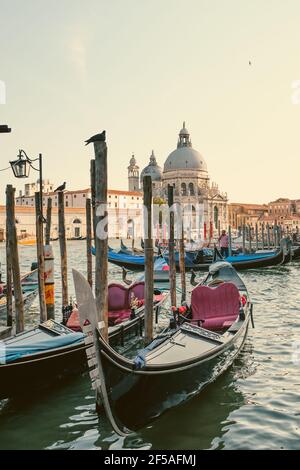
x: 117, y: 297
x: 215, y: 307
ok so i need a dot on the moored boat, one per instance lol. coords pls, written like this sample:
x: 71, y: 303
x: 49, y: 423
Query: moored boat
x: 180, y: 363
x: 45, y: 354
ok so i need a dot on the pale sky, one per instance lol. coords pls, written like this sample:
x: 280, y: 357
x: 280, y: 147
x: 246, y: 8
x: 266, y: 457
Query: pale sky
x: 138, y: 68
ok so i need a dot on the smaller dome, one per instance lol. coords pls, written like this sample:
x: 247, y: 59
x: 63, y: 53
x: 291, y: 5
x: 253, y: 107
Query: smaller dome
x: 132, y: 162
x: 152, y: 169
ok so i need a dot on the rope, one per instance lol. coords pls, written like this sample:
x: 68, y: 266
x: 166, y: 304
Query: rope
x: 4, y: 169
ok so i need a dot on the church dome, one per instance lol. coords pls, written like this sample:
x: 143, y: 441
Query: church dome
x: 185, y: 157
x: 152, y: 169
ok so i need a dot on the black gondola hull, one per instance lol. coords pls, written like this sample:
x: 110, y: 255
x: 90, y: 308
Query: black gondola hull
x: 137, y: 398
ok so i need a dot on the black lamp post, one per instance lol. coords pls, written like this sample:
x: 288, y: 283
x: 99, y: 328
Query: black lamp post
x: 21, y: 169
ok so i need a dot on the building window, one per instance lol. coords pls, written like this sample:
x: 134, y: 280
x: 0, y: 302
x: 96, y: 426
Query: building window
x: 191, y: 189
x: 83, y: 195
x: 74, y: 196
x: 183, y: 189
x: 116, y: 205
x: 76, y: 221
x: 67, y: 203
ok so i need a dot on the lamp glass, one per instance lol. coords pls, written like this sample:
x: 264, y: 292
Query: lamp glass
x: 21, y: 168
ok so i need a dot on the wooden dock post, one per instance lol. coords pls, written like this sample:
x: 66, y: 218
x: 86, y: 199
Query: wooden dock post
x: 49, y: 281
x: 268, y: 236
x: 89, y: 267
x: 93, y: 197
x: 147, y: 188
x: 229, y: 241
x: 48, y: 221
x: 9, y: 308
x: 40, y: 257
x: 263, y: 235
x: 244, y: 239
x: 63, y: 249
x: 49, y: 265
x: 250, y: 238
x: 101, y: 236
x: 274, y: 234
x: 172, y: 262
x: 14, y: 255
x: 182, y: 262
x: 256, y: 237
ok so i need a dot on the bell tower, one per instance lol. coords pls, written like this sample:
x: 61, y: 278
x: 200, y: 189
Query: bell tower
x: 133, y: 175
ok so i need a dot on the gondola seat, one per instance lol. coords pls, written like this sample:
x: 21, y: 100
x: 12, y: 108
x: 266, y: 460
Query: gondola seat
x: 215, y: 308
x: 120, y: 299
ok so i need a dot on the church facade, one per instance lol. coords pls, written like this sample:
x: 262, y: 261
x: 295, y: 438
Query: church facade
x: 204, y: 205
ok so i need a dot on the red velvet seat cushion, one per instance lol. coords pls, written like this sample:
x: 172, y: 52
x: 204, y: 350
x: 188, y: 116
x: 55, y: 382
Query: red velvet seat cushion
x: 216, y: 307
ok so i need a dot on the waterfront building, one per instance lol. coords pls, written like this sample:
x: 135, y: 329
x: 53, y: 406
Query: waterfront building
x: 186, y: 170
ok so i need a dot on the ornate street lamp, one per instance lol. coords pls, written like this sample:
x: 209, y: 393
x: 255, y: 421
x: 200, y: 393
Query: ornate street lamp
x: 21, y: 169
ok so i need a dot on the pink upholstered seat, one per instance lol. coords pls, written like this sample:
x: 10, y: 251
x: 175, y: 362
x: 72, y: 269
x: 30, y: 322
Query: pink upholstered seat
x: 216, y: 307
x: 119, y: 301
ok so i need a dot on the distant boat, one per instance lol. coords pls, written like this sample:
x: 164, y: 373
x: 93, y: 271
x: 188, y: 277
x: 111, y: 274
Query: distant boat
x: 27, y: 242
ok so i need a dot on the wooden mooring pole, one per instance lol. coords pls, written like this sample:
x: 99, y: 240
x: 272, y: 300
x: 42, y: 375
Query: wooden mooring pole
x: 63, y: 249
x: 256, y: 237
x: 263, y: 235
x: 268, y: 236
x: 9, y: 308
x: 49, y: 265
x: 93, y: 197
x: 89, y: 266
x: 250, y: 238
x: 48, y: 221
x: 172, y: 262
x: 14, y: 256
x: 101, y: 236
x: 182, y: 263
x: 229, y: 241
x: 147, y: 188
x: 40, y: 257
x: 244, y: 239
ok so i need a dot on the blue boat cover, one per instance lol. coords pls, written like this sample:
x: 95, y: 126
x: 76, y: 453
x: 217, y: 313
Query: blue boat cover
x: 160, y: 264
x: 10, y: 353
x: 250, y: 257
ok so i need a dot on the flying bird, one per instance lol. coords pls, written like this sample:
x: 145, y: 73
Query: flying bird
x: 96, y: 138
x: 62, y: 187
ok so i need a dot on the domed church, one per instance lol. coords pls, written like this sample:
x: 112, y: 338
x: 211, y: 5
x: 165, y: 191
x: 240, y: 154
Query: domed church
x: 186, y: 169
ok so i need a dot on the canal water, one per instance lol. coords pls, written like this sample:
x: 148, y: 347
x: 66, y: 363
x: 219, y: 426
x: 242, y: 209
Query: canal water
x: 254, y: 405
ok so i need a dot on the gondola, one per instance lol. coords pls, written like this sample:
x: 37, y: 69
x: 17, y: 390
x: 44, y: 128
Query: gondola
x: 128, y: 251
x: 130, y: 262
x: 180, y: 363
x: 29, y: 283
x: 243, y: 261
x: 161, y: 275
x: 51, y: 351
